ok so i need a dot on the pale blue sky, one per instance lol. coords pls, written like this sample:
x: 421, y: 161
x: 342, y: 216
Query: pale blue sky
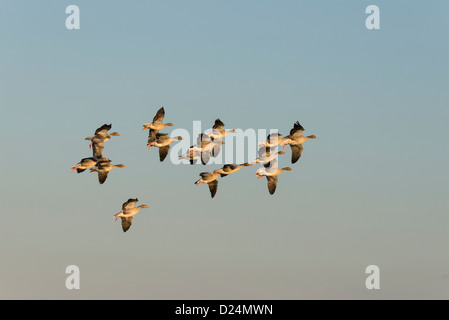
x: 372, y: 189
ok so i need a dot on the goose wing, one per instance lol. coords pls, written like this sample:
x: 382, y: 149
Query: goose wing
x: 160, y: 114
x: 296, y: 151
x: 163, y: 152
x: 98, y: 149
x: 129, y: 204
x: 297, y: 129
x: 205, y: 156
x: 126, y: 223
x: 272, y: 182
x: 103, y: 130
x: 152, y: 135
x: 213, y: 186
x: 218, y: 125
x: 102, y: 176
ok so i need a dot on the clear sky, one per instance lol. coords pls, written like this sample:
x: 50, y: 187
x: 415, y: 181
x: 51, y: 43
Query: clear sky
x: 372, y: 189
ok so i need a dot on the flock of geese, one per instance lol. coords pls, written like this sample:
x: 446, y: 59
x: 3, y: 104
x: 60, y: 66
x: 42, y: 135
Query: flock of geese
x: 207, y: 145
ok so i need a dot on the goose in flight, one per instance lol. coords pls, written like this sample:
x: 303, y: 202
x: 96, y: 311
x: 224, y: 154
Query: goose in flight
x: 129, y: 210
x: 205, y: 144
x: 211, y: 179
x: 272, y: 175
x: 156, y: 125
x: 295, y: 139
x: 231, y: 168
x: 103, y: 167
x: 163, y: 142
x: 84, y: 164
x: 99, y: 138
x: 266, y: 155
x: 218, y: 133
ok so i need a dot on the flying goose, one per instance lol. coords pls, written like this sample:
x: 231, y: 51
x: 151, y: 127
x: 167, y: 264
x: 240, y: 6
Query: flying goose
x: 211, y: 179
x: 84, y: 164
x: 295, y: 139
x: 272, y: 175
x: 218, y: 133
x: 156, y: 125
x: 231, y: 168
x: 129, y: 210
x: 266, y: 155
x: 205, y: 144
x: 99, y: 138
x: 103, y: 167
x: 163, y: 142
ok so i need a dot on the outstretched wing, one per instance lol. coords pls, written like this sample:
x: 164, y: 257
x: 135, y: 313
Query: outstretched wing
x: 205, y: 156
x: 98, y: 149
x: 129, y: 204
x: 217, y: 148
x: 297, y: 129
x: 103, y: 130
x: 213, y: 186
x: 163, y: 152
x: 152, y: 135
x: 296, y: 151
x: 102, y: 176
x: 272, y: 182
x: 218, y: 125
x: 126, y: 223
x: 160, y: 114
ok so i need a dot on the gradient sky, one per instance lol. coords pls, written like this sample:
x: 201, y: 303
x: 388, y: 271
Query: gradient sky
x: 372, y: 189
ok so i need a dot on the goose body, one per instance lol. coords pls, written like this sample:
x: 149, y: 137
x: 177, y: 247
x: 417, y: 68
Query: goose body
x: 84, y: 164
x: 101, y: 136
x: 231, y: 168
x: 103, y: 167
x: 266, y: 156
x: 205, y: 145
x: 129, y: 210
x: 271, y: 174
x: 295, y: 139
x: 210, y: 178
x: 156, y: 125
x: 217, y: 134
x: 163, y: 142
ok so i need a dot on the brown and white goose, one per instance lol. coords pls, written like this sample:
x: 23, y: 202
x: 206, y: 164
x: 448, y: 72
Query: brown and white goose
x: 103, y: 167
x: 163, y: 142
x: 211, y: 179
x: 231, y: 168
x: 206, y: 144
x: 156, y: 125
x: 101, y: 136
x: 295, y: 139
x: 129, y: 210
x: 266, y: 155
x: 84, y: 164
x: 218, y: 133
x: 272, y: 175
